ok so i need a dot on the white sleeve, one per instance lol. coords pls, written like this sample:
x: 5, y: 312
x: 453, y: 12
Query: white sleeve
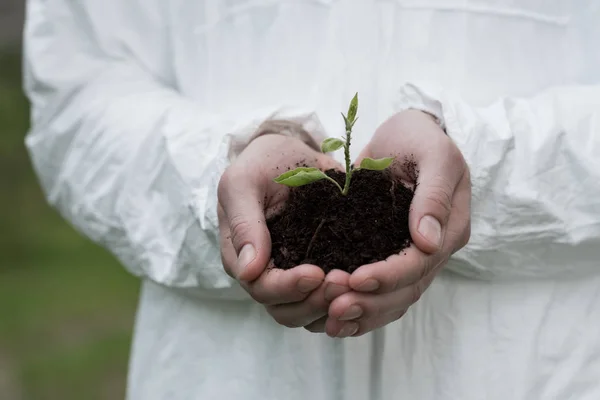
x: 535, y: 167
x: 123, y: 156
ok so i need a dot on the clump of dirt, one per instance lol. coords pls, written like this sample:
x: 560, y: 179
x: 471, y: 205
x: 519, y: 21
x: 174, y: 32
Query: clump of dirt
x: 320, y: 226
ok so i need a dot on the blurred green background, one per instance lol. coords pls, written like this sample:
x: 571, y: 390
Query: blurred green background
x: 66, y: 306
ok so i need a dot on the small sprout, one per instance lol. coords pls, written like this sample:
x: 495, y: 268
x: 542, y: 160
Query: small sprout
x: 376, y: 165
x: 305, y: 175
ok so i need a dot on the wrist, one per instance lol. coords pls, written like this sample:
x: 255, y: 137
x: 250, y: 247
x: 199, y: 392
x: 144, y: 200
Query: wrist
x: 422, y: 114
x: 281, y: 128
x: 286, y: 128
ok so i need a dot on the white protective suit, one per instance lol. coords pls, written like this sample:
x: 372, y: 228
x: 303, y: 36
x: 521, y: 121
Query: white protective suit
x: 136, y: 103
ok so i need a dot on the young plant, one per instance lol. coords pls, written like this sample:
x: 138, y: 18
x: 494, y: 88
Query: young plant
x: 304, y: 175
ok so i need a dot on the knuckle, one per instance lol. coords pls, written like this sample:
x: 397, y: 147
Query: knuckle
x: 439, y: 195
x: 460, y: 236
x: 239, y: 227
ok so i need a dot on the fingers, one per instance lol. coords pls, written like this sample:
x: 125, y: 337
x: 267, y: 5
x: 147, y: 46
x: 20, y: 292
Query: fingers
x: 398, y: 271
x: 241, y: 200
x: 354, y: 306
x: 337, y: 283
x: 354, y: 314
x: 297, y: 285
x: 315, y: 306
x: 441, y: 168
x: 301, y: 313
x: 341, y: 329
x: 277, y: 286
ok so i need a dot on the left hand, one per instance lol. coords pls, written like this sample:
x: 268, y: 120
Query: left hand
x: 439, y: 223
x: 246, y: 194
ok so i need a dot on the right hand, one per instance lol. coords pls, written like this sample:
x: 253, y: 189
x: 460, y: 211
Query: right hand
x: 439, y: 223
x: 298, y: 297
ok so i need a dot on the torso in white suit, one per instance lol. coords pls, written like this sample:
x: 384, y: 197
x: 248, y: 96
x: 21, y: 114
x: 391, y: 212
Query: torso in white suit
x: 466, y: 338
x: 501, y: 321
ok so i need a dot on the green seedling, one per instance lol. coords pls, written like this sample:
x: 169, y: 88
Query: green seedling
x: 305, y: 175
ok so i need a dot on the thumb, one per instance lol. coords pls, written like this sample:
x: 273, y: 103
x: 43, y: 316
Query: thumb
x: 242, y: 204
x: 430, y: 211
x: 439, y: 171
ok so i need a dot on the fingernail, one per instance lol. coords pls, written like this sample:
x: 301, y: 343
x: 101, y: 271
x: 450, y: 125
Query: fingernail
x: 368, y: 285
x: 306, y: 285
x: 246, y: 256
x: 333, y: 290
x: 348, y: 329
x: 352, y: 312
x: 431, y: 229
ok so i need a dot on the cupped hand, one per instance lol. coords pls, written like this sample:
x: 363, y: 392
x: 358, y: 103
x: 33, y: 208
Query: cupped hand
x: 439, y: 222
x: 247, y: 195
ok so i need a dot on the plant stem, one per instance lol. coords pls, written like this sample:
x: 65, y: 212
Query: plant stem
x: 347, y: 156
x: 335, y: 183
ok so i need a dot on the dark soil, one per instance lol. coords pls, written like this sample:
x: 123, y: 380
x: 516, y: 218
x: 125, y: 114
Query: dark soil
x: 320, y: 226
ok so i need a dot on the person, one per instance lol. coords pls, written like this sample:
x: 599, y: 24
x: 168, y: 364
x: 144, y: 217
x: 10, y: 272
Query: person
x: 158, y: 126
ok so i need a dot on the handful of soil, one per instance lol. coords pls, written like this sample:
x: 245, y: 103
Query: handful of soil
x: 320, y: 226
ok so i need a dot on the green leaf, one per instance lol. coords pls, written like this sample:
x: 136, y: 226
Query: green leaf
x: 300, y: 176
x: 353, y: 109
x: 376, y: 165
x: 331, y: 144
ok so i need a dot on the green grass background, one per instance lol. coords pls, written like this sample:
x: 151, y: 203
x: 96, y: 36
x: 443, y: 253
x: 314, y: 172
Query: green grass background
x: 66, y: 306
